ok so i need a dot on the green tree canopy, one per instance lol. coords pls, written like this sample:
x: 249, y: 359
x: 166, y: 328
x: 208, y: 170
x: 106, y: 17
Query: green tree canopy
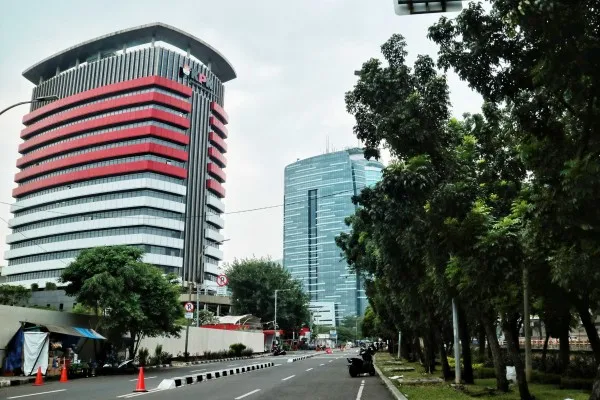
x: 253, y: 282
x: 135, y: 298
x: 12, y: 295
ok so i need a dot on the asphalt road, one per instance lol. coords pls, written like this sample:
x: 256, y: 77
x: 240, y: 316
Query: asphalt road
x: 320, y: 377
x: 109, y: 387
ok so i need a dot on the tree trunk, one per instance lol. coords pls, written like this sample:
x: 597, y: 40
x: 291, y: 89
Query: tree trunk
x: 405, y: 348
x: 465, y: 338
x: 430, y: 350
x: 564, y: 350
x: 508, y: 326
x: 590, y: 328
x: 418, y: 352
x: 494, y: 348
x: 481, y: 340
x: 596, y: 389
x: 444, y: 358
x: 545, y: 351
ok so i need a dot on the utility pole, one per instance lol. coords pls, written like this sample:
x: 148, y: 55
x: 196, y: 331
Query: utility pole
x: 399, y: 342
x: 456, y: 342
x: 527, y: 323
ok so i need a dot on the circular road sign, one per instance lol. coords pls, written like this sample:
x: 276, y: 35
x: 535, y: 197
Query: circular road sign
x: 222, y: 280
x: 189, y: 307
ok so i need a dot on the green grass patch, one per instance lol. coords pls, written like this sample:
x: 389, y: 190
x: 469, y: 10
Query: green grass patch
x: 443, y: 391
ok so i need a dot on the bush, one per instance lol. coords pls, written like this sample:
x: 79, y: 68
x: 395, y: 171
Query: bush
x: 484, y: 373
x: 576, y: 383
x: 143, y: 356
x: 160, y: 357
x: 545, y: 378
x: 582, y: 366
x: 236, y: 349
x: 247, y: 353
x: 50, y: 286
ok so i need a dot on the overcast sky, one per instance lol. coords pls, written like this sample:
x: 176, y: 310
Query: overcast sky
x: 294, y: 60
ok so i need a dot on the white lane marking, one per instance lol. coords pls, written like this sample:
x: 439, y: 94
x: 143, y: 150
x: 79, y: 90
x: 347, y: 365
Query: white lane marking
x: 130, y: 395
x: 289, y: 377
x: 360, y: 390
x: 148, y: 377
x: 247, y: 394
x: 277, y: 365
x: 36, y: 394
x: 198, y: 370
x: 330, y: 360
x: 321, y: 365
x: 309, y: 369
x: 233, y: 365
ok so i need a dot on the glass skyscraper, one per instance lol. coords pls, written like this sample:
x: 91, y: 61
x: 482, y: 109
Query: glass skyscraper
x: 317, y: 199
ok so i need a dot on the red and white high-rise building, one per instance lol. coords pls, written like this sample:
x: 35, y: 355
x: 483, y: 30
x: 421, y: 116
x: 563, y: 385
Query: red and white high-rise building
x: 132, y: 153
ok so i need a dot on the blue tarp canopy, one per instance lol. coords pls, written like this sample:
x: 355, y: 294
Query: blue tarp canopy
x: 75, y: 331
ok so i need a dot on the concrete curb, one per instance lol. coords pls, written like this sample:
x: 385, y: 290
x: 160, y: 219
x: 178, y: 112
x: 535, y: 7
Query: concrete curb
x: 390, y: 385
x: 25, y: 381
x: 179, y: 381
x: 294, y: 359
x: 190, y: 363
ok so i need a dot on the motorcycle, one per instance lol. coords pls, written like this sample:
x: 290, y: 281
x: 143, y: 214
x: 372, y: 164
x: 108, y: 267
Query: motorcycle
x: 362, y: 365
x: 278, y: 351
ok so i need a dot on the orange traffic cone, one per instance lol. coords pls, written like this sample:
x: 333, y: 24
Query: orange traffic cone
x: 141, y: 386
x: 63, y: 375
x: 39, y: 381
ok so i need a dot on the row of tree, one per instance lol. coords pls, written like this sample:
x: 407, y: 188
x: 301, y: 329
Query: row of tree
x: 476, y: 209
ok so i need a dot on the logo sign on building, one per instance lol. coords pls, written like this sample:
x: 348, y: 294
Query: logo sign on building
x: 189, y: 307
x: 198, y: 78
x: 222, y: 280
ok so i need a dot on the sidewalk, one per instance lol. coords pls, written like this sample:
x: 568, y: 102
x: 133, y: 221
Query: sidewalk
x: 6, y: 381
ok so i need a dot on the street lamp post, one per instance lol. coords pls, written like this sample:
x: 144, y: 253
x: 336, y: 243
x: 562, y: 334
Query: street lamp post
x: 36, y: 100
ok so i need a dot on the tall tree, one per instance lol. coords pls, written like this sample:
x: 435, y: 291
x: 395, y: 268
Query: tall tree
x: 541, y: 60
x: 136, y: 298
x: 12, y: 295
x: 253, y: 282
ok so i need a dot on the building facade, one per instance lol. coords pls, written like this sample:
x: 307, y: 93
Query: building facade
x: 318, y: 198
x: 130, y: 154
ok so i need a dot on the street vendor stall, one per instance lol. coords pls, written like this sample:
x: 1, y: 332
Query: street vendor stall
x: 50, y: 348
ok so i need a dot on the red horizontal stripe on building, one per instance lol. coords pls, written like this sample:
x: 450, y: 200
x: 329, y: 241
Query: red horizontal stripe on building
x: 115, y: 88
x: 218, y: 126
x: 218, y: 141
x: 218, y: 110
x: 106, y: 106
x: 99, y: 123
x: 216, y: 172
x: 103, y: 138
x: 217, y: 157
x: 98, y: 155
x: 99, y: 172
x: 215, y: 187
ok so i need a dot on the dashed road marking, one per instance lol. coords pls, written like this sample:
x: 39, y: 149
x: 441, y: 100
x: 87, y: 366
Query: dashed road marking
x: 310, y: 369
x: 36, y: 394
x: 360, y: 390
x: 289, y: 377
x: 148, y: 377
x: 321, y: 365
x: 247, y: 394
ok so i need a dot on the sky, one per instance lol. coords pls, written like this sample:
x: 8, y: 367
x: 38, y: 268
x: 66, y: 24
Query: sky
x: 294, y: 62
